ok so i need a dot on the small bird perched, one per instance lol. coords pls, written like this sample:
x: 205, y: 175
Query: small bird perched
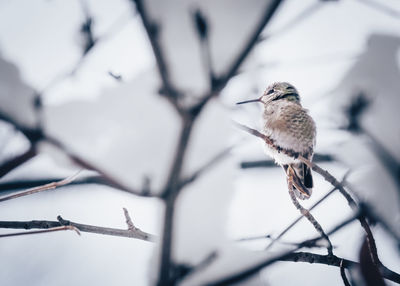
x: 292, y: 131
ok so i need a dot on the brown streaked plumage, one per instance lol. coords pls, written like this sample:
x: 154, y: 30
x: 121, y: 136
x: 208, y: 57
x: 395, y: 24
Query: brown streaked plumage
x: 290, y: 126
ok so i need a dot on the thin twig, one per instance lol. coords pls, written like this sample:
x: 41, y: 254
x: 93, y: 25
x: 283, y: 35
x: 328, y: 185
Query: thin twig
x: 42, y: 188
x: 152, y: 30
x: 220, y: 82
x: 57, y: 228
x: 30, y: 183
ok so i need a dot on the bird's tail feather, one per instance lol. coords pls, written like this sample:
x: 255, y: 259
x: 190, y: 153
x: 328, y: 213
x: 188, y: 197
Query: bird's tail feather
x: 302, y: 180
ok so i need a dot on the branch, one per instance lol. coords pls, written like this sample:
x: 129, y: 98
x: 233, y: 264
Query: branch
x: 253, y: 39
x: 44, y: 224
x: 309, y: 217
x: 220, y: 82
x: 25, y: 184
x: 87, y: 165
x: 291, y: 255
x: 42, y: 188
x: 329, y: 178
x: 300, y: 217
x: 13, y: 163
x: 336, y: 261
x: 36, y: 135
x: 53, y: 229
x: 152, y: 30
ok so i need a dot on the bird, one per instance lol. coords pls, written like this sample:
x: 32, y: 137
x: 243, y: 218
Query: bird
x: 292, y: 131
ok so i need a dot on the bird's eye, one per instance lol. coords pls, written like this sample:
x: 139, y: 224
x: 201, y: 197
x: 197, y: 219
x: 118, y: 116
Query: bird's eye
x: 270, y: 91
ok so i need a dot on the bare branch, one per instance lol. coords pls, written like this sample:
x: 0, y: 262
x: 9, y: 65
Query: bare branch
x: 42, y: 188
x: 309, y: 217
x: 293, y: 256
x: 53, y: 229
x: 43, y: 224
x: 152, y: 30
x: 253, y: 39
x: 87, y: 165
x: 13, y: 163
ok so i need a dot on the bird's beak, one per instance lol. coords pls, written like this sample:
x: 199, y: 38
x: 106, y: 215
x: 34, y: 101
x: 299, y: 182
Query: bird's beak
x: 248, y: 101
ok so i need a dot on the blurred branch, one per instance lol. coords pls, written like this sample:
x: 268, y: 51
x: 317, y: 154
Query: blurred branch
x: 202, y: 29
x: 369, y: 269
x: 293, y: 22
x: 27, y: 183
x: 343, y: 274
x: 152, y: 30
x: 389, y: 11
x: 253, y: 39
x: 188, y: 116
x: 389, y: 161
x: 41, y: 188
x: 318, y: 158
x: 53, y: 229
x: 115, y: 76
x: 15, y: 162
x: 220, y: 82
x: 354, y: 113
x: 292, y: 255
x: 44, y: 224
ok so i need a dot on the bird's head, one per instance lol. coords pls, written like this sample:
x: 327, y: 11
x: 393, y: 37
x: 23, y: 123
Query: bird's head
x: 277, y: 91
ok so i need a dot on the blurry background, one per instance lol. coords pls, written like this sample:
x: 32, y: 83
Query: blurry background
x: 100, y: 97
